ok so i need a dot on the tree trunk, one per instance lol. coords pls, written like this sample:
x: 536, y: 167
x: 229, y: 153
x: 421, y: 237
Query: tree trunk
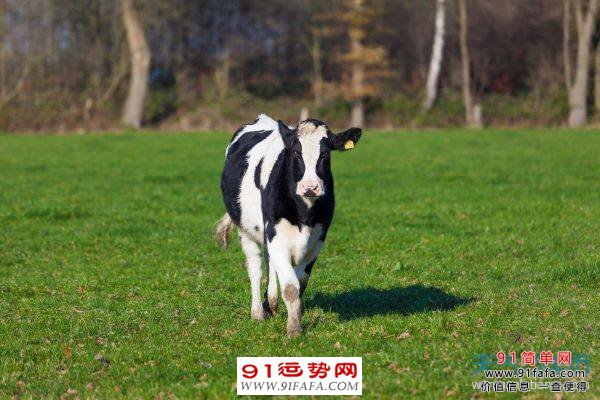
x: 597, y: 80
x: 358, y: 71
x: 466, y: 67
x: 304, y: 114
x: 358, y: 114
x: 140, y: 66
x: 566, y: 44
x: 317, y: 72
x: 222, y: 73
x: 577, y: 90
x: 436, y: 55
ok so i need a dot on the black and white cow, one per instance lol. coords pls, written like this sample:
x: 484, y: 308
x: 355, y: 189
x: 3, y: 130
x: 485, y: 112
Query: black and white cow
x: 278, y: 190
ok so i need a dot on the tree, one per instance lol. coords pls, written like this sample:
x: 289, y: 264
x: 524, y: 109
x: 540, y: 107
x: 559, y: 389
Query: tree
x: 472, y: 112
x: 140, y: 65
x: 7, y: 91
x: 356, y: 34
x: 361, y: 58
x: 597, y: 79
x: 577, y: 86
x: 314, y: 28
x: 436, y: 55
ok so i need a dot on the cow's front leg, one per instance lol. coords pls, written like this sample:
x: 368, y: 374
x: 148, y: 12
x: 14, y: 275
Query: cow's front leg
x: 290, y: 288
x: 253, y: 262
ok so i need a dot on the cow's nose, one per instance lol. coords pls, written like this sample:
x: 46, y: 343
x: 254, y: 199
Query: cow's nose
x: 309, y: 188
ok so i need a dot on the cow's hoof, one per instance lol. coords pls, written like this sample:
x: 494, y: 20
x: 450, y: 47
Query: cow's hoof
x: 273, y: 306
x: 294, y: 331
x: 258, y: 315
x: 270, y: 308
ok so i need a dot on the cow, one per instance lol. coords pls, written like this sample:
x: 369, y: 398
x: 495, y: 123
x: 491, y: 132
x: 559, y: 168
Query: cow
x: 277, y: 188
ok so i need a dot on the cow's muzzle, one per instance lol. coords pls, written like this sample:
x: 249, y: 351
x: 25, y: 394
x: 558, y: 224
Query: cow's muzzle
x: 309, y: 189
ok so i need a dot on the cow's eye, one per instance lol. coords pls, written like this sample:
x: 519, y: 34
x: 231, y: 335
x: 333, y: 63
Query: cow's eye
x: 297, y: 154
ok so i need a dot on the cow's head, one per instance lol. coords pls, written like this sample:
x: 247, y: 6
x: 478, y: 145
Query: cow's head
x: 307, y: 149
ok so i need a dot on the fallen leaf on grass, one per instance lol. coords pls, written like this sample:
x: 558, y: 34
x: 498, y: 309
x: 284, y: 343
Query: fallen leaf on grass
x: 69, y: 393
x: 449, y: 392
x: 100, y: 340
x: 403, y: 335
x: 68, y: 352
x: 103, y: 360
x: 337, y: 345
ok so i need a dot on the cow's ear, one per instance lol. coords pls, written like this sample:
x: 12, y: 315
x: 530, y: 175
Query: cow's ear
x: 346, y: 140
x: 286, y: 132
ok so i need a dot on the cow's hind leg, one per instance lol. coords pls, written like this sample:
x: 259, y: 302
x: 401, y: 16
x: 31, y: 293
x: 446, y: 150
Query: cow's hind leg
x: 253, y: 263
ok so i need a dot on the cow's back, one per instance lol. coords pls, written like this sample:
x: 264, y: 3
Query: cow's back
x: 250, y: 157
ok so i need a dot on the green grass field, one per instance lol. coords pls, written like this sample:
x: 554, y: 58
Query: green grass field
x: 444, y: 245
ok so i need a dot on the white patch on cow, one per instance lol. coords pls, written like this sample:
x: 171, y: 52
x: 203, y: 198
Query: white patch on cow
x: 250, y: 198
x: 310, y: 139
x: 275, y: 147
x: 300, y: 245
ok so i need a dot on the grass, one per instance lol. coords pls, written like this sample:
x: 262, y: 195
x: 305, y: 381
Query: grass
x: 470, y: 242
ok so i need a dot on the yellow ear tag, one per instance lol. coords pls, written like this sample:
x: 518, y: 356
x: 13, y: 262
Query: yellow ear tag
x: 349, y: 145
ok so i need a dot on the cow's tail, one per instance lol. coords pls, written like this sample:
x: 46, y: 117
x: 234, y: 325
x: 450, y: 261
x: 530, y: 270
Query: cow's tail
x: 224, y: 226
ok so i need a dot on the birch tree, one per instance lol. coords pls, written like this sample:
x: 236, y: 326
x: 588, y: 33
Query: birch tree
x: 140, y: 65
x: 577, y: 85
x: 437, y: 52
x: 472, y: 112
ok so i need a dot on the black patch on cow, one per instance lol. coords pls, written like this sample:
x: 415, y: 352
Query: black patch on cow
x: 257, y: 174
x: 236, y: 165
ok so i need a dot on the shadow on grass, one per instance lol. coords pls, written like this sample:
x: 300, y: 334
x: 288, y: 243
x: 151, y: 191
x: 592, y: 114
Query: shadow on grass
x: 370, y: 301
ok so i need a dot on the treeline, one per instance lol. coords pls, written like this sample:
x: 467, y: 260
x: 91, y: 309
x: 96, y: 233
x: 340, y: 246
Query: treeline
x: 212, y: 64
